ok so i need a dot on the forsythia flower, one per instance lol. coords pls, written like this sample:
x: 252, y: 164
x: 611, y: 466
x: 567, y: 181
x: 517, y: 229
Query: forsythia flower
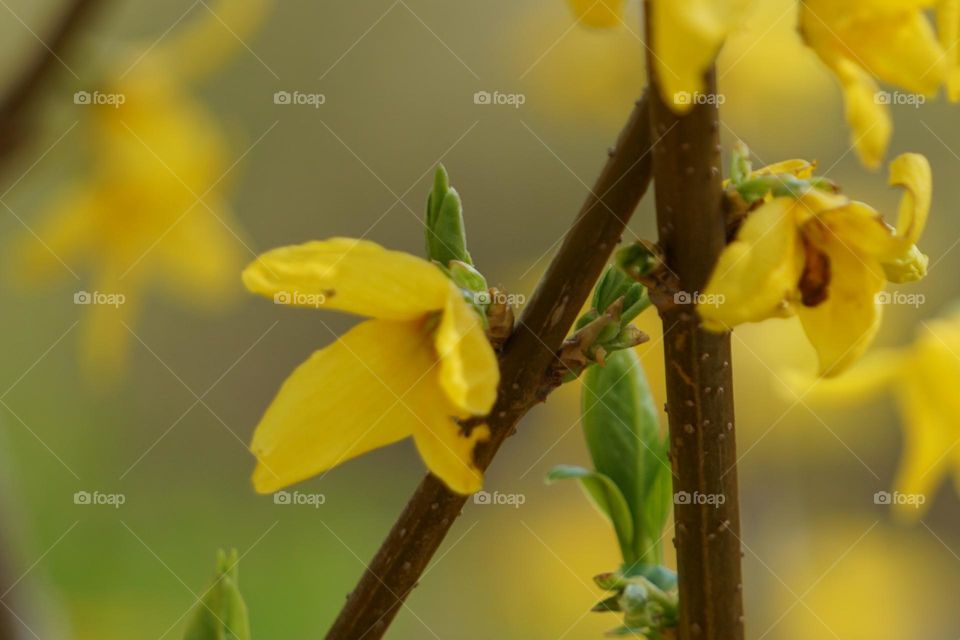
x: 923, y: 378
x: 686, y: 36
x: 151, y: 210
x: 863, y: 41
x: 421, y: 364
x: 819, y: 255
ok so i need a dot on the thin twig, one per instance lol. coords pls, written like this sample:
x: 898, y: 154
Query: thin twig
x: 698, y: 368
x: 17, y: 103
x: 525, y: 360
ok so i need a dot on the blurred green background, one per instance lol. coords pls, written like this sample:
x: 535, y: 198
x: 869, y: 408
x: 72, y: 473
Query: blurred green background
x: 821, y: 559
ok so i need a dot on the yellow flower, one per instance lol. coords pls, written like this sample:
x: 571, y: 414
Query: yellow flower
x: 923, y: 378
x: 686, y: 36
x: 893, y: 41
x: 821, y: 256
x: 422, y: 364
x: 150, y: 211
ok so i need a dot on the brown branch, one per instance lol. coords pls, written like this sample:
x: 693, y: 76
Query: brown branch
x: 17, y: 103
x: 690, y: 219
x: 525, y: 360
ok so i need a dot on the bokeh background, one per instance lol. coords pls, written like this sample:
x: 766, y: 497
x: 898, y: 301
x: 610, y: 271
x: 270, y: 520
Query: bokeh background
x: 399, y: 76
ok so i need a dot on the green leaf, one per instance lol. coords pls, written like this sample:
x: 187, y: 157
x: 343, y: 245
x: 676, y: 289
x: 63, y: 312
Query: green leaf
x: 446, y: 235
x: 605, y: 495
x: 221, y: 613
x: 622, y: 430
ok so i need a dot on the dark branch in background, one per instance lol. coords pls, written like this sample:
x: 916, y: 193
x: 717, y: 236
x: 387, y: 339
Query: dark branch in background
x: 687, y: 174
x: 19, y: 101
x: 526, y: 358
x: 17, y: 106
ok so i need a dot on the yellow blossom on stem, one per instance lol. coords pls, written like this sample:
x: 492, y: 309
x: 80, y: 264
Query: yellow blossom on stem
x: 418, y: 369
x: 923, y: 377
x: 150, y: 210
x: 686, y: 37
x: 817, y: 254
x: 892, y: 41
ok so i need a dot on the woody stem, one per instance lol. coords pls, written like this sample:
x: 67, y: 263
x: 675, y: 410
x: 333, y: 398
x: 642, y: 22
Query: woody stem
x: 526, y: 359
x: 699, y: 372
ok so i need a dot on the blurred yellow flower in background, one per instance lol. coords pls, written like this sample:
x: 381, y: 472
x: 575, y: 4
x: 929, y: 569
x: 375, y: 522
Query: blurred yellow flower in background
x: 686, y: 36
x: 864, y: 41
x: 821, y: 256
x: 151, y: 209
x: 924, y: 378
x: 422, y: 364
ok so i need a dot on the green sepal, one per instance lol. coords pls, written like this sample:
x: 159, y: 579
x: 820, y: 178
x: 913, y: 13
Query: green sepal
x: 740, y: 165
x: 445, y: 231
x: 605, y: 496
x: 221, y: 613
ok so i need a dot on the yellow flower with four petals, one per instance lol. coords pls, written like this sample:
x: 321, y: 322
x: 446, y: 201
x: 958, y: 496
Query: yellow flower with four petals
x: 151, y: 212
x: 419, y: 368
x: 821, y: 256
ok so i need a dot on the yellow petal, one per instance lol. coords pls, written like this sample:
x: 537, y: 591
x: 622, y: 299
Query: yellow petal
x: 929, y: 447
x: 948, y: 26
x: 912, y: 172
x: 346, y: 399
x: 448, y: 452
x: 218, y: 30
x: 469, y: 373
x: 106, y: 331
x: 757, y: 272
x: 862, y: 227
x: 798, y: 168
x: 874, y: 373
x: 843, y: 326
x: 61, y: 240
x: 891, y: 40
x: 357, y: 276
x: 686, y: 37
x: 868, y: 119
x: 198, y: 259
x: 598, y: 13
